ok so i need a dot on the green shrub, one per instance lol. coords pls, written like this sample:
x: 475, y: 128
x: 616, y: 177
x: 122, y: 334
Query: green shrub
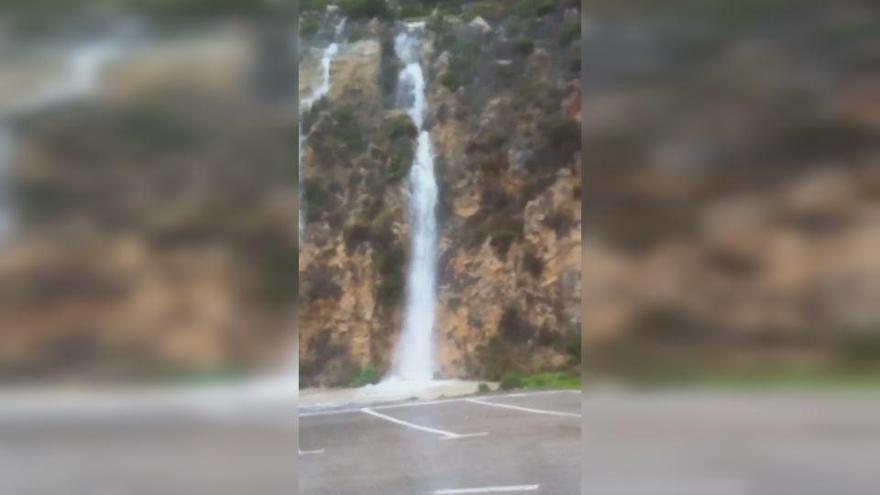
x: 535, y: 8
x: 366, y: 376
x: 392, y: 261
x: 524, y: 46
x: 512, y: 380
x: 356, y: 232
x: 309, y: 27
x: 513, y: 327
x: 484, y: 388
x: 391, y: 289
x: 399, y: 166
x: 542, y: 381
x: 367, y: 9
x: 494, y: 356
x: 573, y: 346
x: 571, y: 30
x: 436, y: 24
x: 402, y: 126
x: 451, y: 79
x: 487, y: 9
x: 564, y: 132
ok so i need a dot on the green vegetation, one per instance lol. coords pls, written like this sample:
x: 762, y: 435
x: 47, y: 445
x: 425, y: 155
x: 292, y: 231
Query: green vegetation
x: 349, y: 130
x: 451, y: 79
x: 309, y: 26
x: 390, y: 291
x: 574, y: 346
x: 564, y: 132
x: 367, y: 376
x: 512, y: 380
x: 524, y: 46
x: 540, y: 381
x: 400, y: 161
x: 513, y: 327
x: 402, y: 133
x: 571, y: 30
x: 366, y: 9
x: 402, y: 126
x: 556, y: 380
x: 274, y: 261
x: 44, y: 200
x: 484, y: 388
x: 316, y: 197
x: 537, y: 8
x: 466, y: 51
x: 487, y: 9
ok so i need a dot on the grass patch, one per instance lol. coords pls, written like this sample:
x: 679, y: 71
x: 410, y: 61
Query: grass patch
x: 557, y: 380
x: 367, y: 376
x: 540, y: 381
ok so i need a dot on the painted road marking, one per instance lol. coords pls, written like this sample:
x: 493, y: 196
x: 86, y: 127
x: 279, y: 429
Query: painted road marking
x: 311, y: 452
x: 426, y: 403
x: 466, y: 435
x: 447, y: 435
x: 524, y: 409
x: 489, y: 489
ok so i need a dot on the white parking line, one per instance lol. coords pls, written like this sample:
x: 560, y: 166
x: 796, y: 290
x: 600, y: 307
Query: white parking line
x: 524, y: 409
x: 429, y: 403
x: 311, y: 452
x: 447, y: 435
x: 489, y: 489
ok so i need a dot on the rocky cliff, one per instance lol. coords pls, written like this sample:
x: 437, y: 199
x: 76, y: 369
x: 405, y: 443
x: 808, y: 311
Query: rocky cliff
x: 504, y: 116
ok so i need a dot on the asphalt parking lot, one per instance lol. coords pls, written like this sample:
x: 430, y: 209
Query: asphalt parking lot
x: 704, y: 442
x: 509, y: 443
x: 236, y: 441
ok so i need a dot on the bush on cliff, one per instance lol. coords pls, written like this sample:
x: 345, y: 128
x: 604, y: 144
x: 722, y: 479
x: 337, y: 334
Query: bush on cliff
x: 535, y: 8
x: 367, y: 9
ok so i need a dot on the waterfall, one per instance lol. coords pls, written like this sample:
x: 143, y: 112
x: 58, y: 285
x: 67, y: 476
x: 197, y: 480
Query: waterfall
x: 319, y: 92
x: 414, y: 358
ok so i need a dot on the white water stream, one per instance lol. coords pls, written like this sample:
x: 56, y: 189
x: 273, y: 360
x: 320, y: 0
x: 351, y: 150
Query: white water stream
x: 414, y: 358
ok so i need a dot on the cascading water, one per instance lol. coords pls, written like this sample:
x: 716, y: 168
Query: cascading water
x: 414, y: 359
x: 320, y: 91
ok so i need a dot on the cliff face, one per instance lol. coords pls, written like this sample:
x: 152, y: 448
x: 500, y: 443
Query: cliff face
x: 504, y: 114
x: 352, y: 256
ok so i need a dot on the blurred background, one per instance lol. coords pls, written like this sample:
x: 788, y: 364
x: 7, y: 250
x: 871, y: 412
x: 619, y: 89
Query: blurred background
x: 147, y: 189
x: 731, y: 256
x: 732, y: 207
x: 147, y: 246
